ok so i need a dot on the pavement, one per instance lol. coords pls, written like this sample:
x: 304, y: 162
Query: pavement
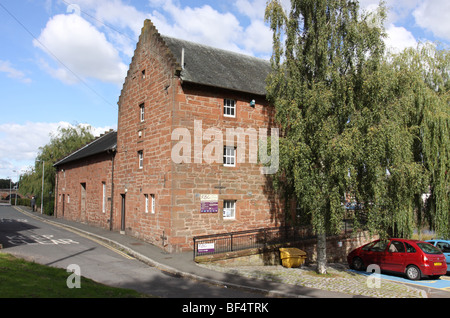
x: 183, y: 265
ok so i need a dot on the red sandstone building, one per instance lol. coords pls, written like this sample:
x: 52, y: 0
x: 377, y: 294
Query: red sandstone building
x: 170, y: 173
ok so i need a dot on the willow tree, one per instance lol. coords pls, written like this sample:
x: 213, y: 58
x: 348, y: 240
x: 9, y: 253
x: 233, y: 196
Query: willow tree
x: 423, y: 77
x: 63, y: 143
x: 435, y: 135
x: 324, y: 86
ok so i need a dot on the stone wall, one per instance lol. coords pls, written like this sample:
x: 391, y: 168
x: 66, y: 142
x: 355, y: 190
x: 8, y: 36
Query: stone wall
x: 200, y: 109
x: 150, y: 83
x: 153, y: 83
x: 338, y: 248
x: 91, y: 176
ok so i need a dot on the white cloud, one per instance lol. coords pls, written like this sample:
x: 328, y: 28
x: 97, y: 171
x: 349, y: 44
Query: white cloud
x: 397, y: 9
x: 206, y: 25
x: 433, y: 16
x: 399, y: 39
x: 257, y: 38
x: 253, y: 9
x: 93, y: 49
x: 201, y: 24
x: 120, y: 15
x: 83, y: 50
x: 113, y: 12
x: 20, y: 143
x: 429, y: 15
x: 6, y: 67
x: 116, y: 19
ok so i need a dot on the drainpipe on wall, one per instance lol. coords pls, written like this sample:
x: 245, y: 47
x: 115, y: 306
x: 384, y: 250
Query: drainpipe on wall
x: 113, y: 154
x: 55, y: 211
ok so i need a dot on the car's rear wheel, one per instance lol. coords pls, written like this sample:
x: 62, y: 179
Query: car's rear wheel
x: 357, y: 264
x: 413, y: 272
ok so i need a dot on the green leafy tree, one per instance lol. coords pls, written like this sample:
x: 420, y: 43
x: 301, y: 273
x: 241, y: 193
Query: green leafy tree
x: 6, y: 183
x: 423, y: 77
x: 63, y: 143
x: 413, y: 142
x: 356, y: 120
x: 325, y: 65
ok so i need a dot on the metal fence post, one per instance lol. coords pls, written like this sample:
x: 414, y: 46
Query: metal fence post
x: 194, y: 249
x: 231, y: 241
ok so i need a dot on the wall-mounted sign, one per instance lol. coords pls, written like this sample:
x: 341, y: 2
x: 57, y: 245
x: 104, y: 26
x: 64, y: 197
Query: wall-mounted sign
x: 209, y: 203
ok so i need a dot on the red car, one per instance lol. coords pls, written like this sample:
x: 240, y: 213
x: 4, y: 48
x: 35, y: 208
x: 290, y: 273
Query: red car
x: 411, y: 257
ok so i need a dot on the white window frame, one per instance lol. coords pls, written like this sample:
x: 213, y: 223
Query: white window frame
x: 229, y: 209
x: 150, y: 204
x: 229, y: 156
x: 153, y: 203
x: 146, y: 203
x: 142, y: 112
x: 229, y: 108
x: 141, y: 159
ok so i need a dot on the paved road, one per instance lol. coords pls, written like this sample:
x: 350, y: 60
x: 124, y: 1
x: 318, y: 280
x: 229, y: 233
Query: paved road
x: 47, y: 244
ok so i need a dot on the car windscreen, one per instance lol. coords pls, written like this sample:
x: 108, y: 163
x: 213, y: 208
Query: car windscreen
x: 429, y: 249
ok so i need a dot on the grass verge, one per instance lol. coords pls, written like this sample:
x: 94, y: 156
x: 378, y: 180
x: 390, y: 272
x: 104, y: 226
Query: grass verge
x: 23, y: 279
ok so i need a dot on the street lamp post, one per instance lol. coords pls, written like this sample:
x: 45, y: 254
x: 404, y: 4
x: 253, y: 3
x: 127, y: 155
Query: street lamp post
x: 42, y: 192
x: 15, y: 196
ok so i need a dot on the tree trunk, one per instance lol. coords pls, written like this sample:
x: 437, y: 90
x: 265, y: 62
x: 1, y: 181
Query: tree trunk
x: 321, y: 253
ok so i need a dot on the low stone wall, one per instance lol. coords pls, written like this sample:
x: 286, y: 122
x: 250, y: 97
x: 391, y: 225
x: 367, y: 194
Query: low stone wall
x: 338, y: 248
x: 254, y: 256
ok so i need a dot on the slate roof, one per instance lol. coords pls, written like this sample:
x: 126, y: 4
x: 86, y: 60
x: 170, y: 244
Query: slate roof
x: 100, y: 145
x: 220, y: 68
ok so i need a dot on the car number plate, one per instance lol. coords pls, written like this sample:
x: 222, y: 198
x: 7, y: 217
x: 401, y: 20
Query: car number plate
x: 437, y: 264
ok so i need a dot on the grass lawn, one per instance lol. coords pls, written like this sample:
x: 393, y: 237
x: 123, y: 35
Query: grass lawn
x: 22, y: 279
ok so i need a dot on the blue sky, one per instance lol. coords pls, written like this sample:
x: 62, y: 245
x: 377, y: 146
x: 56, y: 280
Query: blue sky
x: 63, y: 62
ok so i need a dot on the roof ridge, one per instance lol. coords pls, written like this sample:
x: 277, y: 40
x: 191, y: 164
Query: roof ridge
x: 214, y: 48
x: 216, y: 67
x: 85, y: 146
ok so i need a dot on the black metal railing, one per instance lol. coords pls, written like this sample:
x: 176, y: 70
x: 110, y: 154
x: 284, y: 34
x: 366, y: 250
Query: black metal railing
x: 236, y: 241
x: 258, y: 238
